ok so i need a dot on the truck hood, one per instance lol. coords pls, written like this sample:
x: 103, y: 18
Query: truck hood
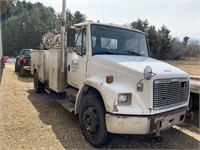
x: 128, y: 72
x: 135, y: 65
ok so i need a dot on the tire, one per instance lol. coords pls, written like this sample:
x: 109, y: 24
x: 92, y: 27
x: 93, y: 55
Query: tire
x: 38, y: 86
x: 21, y: 71
x: 16, y: 67
x: 92, y: 121
x: 191, y: 103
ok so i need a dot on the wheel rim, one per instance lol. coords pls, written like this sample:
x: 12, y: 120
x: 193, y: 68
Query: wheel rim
x: 91, y: 120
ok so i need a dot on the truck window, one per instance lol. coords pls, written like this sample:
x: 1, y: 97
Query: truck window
x: 80, y: 46
x: 21, y: 52
x: 108, y: 43
x: 104, y: 43
x: 134, y: 45
x: 117, y: 41
x: 27, y: 53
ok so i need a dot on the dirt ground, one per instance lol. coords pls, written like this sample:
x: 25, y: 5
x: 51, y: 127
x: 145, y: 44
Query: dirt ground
x: 37, y: 121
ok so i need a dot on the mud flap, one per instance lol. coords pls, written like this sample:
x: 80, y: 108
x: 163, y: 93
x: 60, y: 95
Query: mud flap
x: 158, y: 128
x: 190, y: 115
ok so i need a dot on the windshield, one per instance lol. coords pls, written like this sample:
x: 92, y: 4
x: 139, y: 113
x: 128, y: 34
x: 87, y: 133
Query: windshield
x: 116, y: 41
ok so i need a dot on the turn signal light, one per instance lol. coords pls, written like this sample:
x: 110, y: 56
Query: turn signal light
x: 109, y: 79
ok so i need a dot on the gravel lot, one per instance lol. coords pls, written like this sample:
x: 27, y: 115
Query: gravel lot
x: 37, y: 121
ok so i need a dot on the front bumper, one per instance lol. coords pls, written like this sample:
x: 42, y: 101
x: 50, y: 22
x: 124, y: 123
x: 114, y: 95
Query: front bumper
x: 129, y: 124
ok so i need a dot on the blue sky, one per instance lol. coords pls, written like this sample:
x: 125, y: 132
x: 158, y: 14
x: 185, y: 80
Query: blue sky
x: 182, y: 17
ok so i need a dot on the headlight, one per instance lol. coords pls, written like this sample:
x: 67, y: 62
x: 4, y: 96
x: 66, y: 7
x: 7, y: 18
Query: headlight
x: 124, y: 99
x: 148, y: 73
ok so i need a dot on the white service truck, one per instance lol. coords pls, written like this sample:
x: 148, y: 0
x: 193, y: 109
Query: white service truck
x: 111, y: 82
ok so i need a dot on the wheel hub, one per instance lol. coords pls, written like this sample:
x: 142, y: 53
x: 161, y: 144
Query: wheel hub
x: 91, y: 120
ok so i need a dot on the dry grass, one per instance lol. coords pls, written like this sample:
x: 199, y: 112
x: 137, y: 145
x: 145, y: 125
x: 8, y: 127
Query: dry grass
x: 189, y: 64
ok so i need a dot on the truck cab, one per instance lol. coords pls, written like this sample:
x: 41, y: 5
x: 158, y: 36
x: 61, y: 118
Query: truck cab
x: 96, y: 41
x: 111, y: 82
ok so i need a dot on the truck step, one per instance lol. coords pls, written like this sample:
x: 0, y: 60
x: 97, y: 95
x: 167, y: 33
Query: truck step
x: 71, y: 94
x: 68, y: 105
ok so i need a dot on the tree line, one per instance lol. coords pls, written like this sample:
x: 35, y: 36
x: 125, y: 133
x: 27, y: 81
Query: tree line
x: 25, y: 23
x: 163, y: 45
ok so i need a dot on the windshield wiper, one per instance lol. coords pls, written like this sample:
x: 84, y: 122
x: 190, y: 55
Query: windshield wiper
x: 104, y: 52
x: 132, y: 52
x: 107, y: 52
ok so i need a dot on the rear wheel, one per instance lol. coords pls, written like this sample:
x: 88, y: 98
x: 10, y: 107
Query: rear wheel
x: 92, y: 121
x: 21, y: 71
x: 16, y: 67
x: 38, y: 86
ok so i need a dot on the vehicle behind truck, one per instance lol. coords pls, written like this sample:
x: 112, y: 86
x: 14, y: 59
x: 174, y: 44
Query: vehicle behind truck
x: 111, y: 82
x: 22, y: 63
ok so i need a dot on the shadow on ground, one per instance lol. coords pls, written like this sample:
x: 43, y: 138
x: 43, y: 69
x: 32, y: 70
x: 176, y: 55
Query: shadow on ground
x: 28, y: 77
x: 63, y: 123
x: 66, y: 128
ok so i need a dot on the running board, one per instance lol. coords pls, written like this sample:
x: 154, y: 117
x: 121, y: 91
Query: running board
x: 68, y: 105
x: 47, y: 90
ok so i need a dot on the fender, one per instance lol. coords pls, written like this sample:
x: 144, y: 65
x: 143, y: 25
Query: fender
x: 109, y: 93
x: 94, y: 82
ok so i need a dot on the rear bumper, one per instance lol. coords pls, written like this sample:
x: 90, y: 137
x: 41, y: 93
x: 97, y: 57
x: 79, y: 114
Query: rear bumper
x: 128, y: 124
x: 26, y: 68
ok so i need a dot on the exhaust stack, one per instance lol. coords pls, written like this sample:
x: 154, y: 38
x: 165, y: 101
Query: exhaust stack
x: 63, y: 36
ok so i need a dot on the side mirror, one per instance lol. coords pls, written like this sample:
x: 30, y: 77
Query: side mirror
x: 70, y: 37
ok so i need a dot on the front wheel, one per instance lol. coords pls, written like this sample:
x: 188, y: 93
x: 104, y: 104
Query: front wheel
x: 92, y: 121
x: 38, y: 86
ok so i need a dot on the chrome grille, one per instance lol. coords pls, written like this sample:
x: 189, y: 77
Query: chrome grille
x: 169, y: 93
